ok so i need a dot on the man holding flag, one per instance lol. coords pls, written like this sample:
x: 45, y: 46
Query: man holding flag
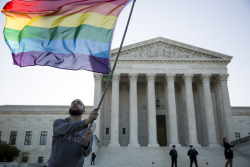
x: 72, y: 140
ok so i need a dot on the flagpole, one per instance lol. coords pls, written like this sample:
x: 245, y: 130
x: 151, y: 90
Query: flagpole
x: 116, y: 60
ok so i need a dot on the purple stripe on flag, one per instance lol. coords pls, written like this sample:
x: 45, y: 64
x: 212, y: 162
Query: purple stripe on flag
x: 68, y: 61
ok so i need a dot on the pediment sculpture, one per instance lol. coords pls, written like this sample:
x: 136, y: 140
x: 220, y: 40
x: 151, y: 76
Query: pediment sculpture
x: 163, y: 51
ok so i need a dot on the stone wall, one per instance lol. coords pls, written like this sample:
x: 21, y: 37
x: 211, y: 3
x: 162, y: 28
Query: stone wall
x: 241, y: 120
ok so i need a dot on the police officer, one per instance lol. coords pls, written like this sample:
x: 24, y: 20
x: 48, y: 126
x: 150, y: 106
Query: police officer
x: 192, y: 155
x: 173, y: 154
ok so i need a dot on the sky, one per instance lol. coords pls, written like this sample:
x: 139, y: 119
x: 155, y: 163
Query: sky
x: 218, y: 25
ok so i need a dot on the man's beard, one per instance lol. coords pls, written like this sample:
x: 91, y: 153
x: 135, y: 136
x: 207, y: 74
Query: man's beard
x: 75, y: 112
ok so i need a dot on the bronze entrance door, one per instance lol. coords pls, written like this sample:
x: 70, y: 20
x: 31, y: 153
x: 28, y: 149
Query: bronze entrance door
x: 161, y: 130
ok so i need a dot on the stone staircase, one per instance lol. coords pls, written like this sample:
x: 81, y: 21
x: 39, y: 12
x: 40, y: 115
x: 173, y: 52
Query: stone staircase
x: 144, y: 156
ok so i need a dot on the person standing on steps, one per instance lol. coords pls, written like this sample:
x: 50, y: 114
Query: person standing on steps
x: 192, y: 153
x: 93, y: 158
x: 173, y: 154
x: 228, y: 152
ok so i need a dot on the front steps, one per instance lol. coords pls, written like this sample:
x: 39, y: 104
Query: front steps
x: 144, y: 156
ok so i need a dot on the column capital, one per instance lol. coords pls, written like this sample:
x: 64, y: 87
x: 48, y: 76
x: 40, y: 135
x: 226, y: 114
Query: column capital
x: 205, y: 77
x: 151, y: 77
x: 170, y: 77
x: 188, y: 77
x: 223, y: 77
x: 98, y: 76
x: 133, y: 77
x: 116, y: 78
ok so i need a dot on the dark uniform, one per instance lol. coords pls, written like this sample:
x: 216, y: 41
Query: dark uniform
x: 192, y: 155
x: 93, y: 158
x: 173, y: 154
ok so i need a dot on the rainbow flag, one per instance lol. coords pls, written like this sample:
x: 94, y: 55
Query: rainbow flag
x: 67, y: 34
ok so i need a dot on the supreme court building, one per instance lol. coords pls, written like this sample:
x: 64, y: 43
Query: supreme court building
x: 163, y: 92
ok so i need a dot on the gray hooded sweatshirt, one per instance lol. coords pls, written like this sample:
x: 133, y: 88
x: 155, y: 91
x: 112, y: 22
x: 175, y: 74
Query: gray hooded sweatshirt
x: 67, y: 144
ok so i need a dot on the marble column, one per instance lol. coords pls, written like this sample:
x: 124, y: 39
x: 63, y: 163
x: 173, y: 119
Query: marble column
x: 227, y: 107
x: 192, y: 131
x: 133, y: 112
x: 184, y: 117
x: 167, y: 115
x: 203, y: 134
x: 211, y: 130
x: 219, y: 107
x: 218, y: 136
x: 152, y: 133
x: 172, y: 118
x: 114, y: 133
x: 97, y: 97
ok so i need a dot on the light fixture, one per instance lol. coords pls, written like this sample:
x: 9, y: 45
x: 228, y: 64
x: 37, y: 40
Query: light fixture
x: 158, y: 103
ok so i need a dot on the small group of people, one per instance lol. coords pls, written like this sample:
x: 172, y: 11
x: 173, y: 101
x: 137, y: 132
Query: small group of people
x: 192, y: 153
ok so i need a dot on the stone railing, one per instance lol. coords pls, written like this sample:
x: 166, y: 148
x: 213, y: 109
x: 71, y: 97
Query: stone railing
x: 241, y: 140
x: 16, y: 164
x: 9, y: 164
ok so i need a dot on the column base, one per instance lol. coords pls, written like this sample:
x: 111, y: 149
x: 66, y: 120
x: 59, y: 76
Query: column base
x: 213, y: 145
x: 114, y: 144
x: 153, y: 145
x: 133, y: 145
x: 194, y: 144
x: 176, y: 144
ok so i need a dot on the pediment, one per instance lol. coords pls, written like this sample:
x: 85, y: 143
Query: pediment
x: 165, y: 49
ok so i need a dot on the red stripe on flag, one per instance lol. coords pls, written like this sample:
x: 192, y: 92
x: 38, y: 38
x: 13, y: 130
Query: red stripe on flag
x: 45, y: 5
